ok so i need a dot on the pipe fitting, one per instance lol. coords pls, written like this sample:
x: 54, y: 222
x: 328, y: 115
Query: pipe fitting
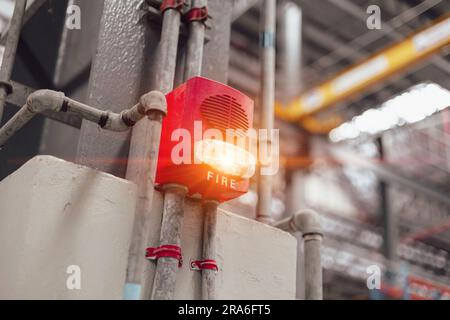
x: 115, y: 122
x: 42, y: 100
x: 305, y: 221
x: 154, y: 101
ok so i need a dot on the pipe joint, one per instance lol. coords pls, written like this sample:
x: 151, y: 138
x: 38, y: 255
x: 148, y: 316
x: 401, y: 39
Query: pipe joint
x: 307, y: 222
x: 154, y: 101
x: 42, y: 100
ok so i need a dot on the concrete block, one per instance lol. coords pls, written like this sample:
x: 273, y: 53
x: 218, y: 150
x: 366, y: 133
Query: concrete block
x: 55, y: 214
x: 256, y: 261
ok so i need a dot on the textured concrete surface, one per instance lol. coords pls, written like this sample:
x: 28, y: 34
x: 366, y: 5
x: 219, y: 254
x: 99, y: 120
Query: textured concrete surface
x: 256, y: 261
x: 55, y: 214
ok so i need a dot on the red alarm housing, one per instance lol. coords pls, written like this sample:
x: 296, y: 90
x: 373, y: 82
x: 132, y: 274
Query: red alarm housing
x: 215, y: 106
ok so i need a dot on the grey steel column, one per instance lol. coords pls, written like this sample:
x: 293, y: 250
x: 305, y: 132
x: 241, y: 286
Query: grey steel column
x: 9, y: 55
x: 120, y: 73
x: 390, y: 224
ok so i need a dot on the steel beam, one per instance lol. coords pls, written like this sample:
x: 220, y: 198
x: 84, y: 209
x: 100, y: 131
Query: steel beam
x: 388, y: 174
x: 375, y: 69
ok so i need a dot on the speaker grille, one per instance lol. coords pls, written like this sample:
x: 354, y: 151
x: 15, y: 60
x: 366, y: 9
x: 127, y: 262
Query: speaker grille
x: 224, y: 112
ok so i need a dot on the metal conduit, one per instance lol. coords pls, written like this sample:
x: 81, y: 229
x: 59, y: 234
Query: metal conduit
x: 166, y: 268
x: 308, y: 223
x: 196, y: 40
x: 209, y: 248
x: 48, y: 100
x: 267, y: 98
x: 10, y: 52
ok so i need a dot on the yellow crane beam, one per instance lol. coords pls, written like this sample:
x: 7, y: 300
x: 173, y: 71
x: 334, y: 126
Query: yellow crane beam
x: 374, y: 69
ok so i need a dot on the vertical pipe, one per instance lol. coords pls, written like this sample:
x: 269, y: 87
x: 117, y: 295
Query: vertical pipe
x: 308, y: 223
x: 10, y: 52
x: 194, y: 56
x: 291, y: 50
x: 167, y: 268
x: 144, y: 148
x: 267, y: 99
x: 209, y: 248
x: 168, y: 49
x: 313, y: 266
x: 194, y: 61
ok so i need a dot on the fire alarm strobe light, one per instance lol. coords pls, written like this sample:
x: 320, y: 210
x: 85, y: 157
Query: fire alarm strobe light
x: 218, y: 170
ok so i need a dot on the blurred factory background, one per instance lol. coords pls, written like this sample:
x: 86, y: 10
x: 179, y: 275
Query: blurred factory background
x: 374, y: 163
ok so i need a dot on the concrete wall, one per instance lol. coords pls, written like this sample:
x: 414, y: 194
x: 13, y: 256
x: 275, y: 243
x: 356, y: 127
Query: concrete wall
x: 54, y: 214
x: 256, y: 261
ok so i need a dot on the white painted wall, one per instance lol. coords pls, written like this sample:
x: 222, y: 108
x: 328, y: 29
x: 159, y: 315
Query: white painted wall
x: 54, y: 214
x: 255, y: 261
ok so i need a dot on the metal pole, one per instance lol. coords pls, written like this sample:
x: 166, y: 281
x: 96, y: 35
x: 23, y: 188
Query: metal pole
x: 166, y: 267
x: 390, y: 224
x: 209, y: 248
x: 267, y: 99
x: 313, y: 266
x: 308, y: 223
x: 10, y: 52
x: 194, y: 62
x: 144, y: 150
x: 195, y: 45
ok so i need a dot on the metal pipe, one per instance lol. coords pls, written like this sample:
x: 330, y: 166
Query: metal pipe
x: 291, y: 50
x: 168, y: 49
x: 167, y: 267
x: 308, y: 223
x: 48, y: 100
x: 194, y: 61
x: 267, y: 99
x: 142, y: 163
x: 209, y: 248
x: 194, y: 55
x: 10, y: 52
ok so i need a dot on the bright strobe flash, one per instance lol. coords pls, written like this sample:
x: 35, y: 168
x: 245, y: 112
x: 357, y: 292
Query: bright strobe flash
x: 225, y: 158
x: 211, y: 168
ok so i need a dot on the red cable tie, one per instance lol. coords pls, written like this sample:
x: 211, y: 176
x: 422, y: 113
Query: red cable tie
x: 165, y: 251
x: 172, y: 4
x: 197, y: 14
x: 208, y: 264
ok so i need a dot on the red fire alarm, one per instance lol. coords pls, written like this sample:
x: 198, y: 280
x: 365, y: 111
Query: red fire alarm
x: 210, y: 167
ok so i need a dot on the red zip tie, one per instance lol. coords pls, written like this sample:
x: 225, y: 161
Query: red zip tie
x: 197, y: 14
x: 165, y: 251
x: 209, y: 264
x: 171, y: 4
